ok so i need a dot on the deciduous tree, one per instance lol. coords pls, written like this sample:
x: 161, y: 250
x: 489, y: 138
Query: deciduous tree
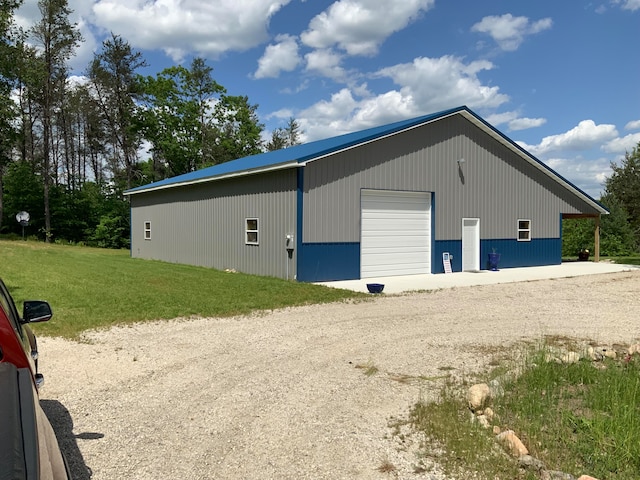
x: 285, y: 137
x: 8, y: 111
x: 115, y: 89
x: 239, y: 130
x: 176, y: 116
x: 624, y: 187
x: 191, y: 122
x: 58, y: 39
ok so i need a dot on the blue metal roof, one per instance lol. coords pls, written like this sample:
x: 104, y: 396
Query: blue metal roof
x: 296, y: 154
x: 288, y: 157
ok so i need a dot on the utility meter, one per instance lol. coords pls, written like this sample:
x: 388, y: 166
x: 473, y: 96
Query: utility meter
x: 289, y: 241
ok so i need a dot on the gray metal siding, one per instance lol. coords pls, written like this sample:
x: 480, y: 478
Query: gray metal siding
x: 493, y: 184
x: 204, y: 224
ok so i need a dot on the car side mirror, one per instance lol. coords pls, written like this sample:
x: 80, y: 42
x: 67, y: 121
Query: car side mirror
x: 34, y: 311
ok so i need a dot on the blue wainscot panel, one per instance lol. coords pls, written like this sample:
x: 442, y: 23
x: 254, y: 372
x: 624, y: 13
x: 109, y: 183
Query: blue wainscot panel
x: 537, y: 252
x: 326, y: 262
x: 453, y: 247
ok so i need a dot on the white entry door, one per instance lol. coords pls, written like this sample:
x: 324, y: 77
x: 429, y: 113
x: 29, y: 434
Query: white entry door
x: 470, y: 244
x: 395, y: 233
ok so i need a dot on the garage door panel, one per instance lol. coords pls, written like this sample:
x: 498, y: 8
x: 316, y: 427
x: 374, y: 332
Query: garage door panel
x: 395, y: 237
x: 393, y: 234
x: 391, y: 270
x: 395, y: 260
x: 382, y: 223
x: 400, y: 251
x: 396, y: 243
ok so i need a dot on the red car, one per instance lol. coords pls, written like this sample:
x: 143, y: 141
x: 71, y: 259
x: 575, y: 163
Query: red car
x: 17, y: 342
x: 28, y: 445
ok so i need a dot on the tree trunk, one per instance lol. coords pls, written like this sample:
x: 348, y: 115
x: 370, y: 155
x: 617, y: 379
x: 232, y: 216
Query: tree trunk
x: 45, y: 174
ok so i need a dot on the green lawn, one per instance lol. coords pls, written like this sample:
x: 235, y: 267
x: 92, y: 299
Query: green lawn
x: 633, y: 260
x: 92, y: 288
x: 578, y: 418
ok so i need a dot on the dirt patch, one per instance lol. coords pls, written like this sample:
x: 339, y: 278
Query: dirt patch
x: 284, y: 395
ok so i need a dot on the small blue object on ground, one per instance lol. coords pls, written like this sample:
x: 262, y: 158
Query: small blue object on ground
x: 375, y: 287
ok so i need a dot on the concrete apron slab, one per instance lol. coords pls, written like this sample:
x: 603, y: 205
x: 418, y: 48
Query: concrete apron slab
x: 410, y: 283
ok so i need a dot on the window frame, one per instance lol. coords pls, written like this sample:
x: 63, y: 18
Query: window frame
x: 526, y: 230
x: 252, y: 231
x: 147, y: 230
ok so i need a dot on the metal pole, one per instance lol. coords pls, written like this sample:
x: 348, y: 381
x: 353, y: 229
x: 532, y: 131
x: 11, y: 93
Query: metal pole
x: 597, y: 240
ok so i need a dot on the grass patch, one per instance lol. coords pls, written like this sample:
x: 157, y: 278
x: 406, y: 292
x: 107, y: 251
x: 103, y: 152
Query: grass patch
x: 92, y: 288
x: 408, y: 379
x: 458, y: 445
x: 578, y: 418
x: 387, y: 467
x: 369, y: 369
x: 626, y: 260
x: 631, y: 260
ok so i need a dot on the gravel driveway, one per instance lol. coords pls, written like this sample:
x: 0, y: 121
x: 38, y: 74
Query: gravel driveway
x: 283, y: 395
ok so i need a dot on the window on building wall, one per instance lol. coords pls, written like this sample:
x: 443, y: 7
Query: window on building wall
x: 147, y: 230
x: 251, y: 231
x: 524, y: 230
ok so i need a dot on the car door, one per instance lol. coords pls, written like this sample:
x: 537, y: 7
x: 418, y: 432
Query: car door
x: 20, y: 332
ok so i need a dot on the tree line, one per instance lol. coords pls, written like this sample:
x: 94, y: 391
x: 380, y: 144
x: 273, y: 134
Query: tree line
x: 620, y: 230
x: 68, y: 150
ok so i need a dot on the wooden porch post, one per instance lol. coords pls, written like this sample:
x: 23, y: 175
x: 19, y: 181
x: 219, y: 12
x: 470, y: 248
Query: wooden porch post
x: 596, y: 254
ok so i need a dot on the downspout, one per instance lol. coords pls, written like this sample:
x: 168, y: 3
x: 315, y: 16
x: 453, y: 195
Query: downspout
x: 597, y: 239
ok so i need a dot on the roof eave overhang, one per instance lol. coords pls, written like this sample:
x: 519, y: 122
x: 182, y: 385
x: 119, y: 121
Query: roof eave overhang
x: 465, y: 112
x: 223, y: 176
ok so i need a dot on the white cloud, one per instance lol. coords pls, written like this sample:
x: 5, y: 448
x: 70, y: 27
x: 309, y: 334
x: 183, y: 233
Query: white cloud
x: 344, y: 114
x: 27, y: 15
x: 634, y: 125
x: 325, y: 118
x: 588, y: 174
x: 360, y: 26
x: 623, y: 144
x: 282, y: 114
x: 304, y: 85
x: 514, y: 121
x: 282, y: 56
x: 508, y: 31
x: 86, y: 48
x: 382, y: 109
x: 77, y: 80
x: 326, y: 62
x: 425, y: 86
x: 632, y: 5
x: 438, y: 83
x: 181, y: 26
x: 501, y: 118
x: 584, y: 136
x: 525, y: 123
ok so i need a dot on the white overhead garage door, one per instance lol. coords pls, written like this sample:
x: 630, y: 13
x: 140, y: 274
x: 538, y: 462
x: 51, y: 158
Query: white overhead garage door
x: 396, y: 233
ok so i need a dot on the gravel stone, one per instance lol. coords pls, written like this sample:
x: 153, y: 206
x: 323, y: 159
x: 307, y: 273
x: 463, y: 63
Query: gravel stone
x: 283, y: 394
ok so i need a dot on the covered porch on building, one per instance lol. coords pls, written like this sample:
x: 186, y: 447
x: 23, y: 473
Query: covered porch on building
x: 596, y: 234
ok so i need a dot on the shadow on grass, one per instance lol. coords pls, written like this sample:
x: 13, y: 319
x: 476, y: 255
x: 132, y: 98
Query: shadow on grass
x: 62, y: 424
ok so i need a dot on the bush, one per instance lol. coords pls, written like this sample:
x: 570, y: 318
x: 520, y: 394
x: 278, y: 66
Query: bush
x: 112, y: 232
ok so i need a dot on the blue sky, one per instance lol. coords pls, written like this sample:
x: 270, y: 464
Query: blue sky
x: 561, y: 78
